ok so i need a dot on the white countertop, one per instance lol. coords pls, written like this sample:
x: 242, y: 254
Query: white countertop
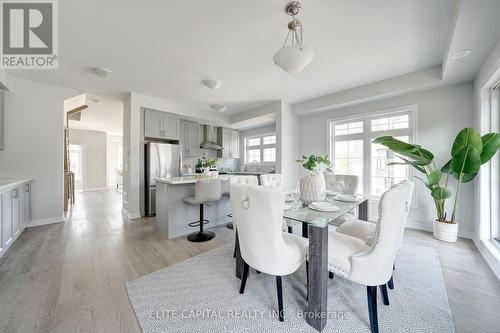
x: 9, y: 183
x: 185, y: 180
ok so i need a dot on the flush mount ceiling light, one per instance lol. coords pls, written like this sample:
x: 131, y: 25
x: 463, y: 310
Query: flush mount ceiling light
x: 461, y: 54
x: 294, y: 57
x: 219, y: 107
x: 103, y: 72
x: 212, y: 83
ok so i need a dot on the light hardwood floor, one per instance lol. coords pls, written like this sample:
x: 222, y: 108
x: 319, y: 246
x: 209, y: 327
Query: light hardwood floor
x: 70, y: 277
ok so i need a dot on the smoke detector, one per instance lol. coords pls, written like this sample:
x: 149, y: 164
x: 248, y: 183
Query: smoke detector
x: 219, y: 107
x: 103, y: 72
x: 211, y: 83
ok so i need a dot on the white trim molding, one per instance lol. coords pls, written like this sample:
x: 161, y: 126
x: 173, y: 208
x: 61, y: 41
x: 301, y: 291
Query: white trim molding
x: 131, y: 216
x: 488, y: 252
x: 50, y: 220
x: 428, y: 227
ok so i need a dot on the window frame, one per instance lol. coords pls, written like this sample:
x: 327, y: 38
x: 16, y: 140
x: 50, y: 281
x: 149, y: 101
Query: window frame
x: 368, y: 135
x: 261, y: 148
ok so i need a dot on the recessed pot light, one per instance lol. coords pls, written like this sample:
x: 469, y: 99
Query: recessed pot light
x: 103, y: 72
x: 212, y: 83
x: 461, y: 54
x: 219, y: 107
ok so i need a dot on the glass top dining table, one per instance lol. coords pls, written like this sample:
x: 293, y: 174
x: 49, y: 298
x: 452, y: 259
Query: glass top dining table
x: 322, y: 219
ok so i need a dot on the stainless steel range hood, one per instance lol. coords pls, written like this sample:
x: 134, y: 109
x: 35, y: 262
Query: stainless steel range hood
x: 209, y: 138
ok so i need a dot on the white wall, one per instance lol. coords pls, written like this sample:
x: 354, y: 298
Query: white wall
x: 442, y: 112
x: 94, y: 157
x: 114, y: 160
x: 290, y: 147
x: 34, y: 143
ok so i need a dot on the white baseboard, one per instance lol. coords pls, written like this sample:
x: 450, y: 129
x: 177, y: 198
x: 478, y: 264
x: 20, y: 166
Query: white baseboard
x: 50, y: 220
x: 492, y: 260
x: 428, y: 227
x: 95, y: 189
x: 131, y: 216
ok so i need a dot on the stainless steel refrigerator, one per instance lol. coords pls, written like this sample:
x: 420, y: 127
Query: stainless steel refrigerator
x: 162, y: 160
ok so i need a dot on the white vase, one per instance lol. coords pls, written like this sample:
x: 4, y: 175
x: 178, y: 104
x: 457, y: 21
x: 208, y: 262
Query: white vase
x: 446, y: 232
x: 312, y: 188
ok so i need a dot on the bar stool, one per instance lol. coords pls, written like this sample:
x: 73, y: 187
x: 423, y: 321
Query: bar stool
x: 206, y: 190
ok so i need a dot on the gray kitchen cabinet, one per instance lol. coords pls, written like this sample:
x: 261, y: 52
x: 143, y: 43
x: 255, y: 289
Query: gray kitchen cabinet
x: 15, y: 212
x: 161, y: 125
x: 189, y: 138
x: 229, y: 139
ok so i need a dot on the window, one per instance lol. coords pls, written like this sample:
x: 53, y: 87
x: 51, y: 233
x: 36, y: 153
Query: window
x: 354, y: 153
x: 261, y: 149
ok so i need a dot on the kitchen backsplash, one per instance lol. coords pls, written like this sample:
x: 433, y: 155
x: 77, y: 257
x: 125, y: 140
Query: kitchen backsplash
x: 222, y: 164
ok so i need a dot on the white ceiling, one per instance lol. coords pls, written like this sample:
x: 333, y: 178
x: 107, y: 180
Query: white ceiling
x: 164, y: 48
x: 103, y: 114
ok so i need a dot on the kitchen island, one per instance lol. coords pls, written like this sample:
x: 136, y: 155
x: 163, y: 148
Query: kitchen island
x: 173, y: 215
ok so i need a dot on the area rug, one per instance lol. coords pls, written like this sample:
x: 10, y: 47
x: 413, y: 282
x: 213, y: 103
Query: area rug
x: 200, y: 294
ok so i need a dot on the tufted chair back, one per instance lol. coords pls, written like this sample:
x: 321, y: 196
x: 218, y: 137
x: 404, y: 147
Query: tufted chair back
x: 350, y: 182
x: 239, y: 179
x: 272, y: 179
x: 374, y: 267
x: 258, y: 215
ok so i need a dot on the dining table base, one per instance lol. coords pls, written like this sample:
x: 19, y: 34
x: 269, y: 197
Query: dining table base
x: 317, y: 311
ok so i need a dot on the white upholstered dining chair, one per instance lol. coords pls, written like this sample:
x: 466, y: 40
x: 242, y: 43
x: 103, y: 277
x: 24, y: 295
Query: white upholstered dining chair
x: 276, y: 180
x: 272, y: 179
x: 258, y: 214
x: 371, y: 263
x: 350, y: 182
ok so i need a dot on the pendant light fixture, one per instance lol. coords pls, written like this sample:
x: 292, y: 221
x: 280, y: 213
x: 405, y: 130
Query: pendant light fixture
x: 294, y: 57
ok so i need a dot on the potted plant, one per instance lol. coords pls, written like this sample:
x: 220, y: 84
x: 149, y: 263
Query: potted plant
x: 468, y: 153
x: 313, y: 186
x: 204, y: 163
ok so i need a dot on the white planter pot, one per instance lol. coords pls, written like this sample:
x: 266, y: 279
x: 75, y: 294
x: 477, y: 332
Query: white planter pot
x: 446, y: 232
x: 312, y: 188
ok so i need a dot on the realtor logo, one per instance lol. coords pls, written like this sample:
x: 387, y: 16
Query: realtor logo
x: 29, y: 34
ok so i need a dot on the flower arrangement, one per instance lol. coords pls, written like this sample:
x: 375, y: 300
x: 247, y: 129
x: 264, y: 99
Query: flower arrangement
x: 205, y: 162
x: 316, y: 163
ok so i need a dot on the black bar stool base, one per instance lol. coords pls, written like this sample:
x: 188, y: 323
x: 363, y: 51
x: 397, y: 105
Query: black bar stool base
x: 202, y: 236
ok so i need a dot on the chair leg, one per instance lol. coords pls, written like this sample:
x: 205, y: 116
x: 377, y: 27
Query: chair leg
x: 235, y: 241
x: 307, y: 280
x: 371, y: 292
x: 390, y: 283
x: 385, y: 295
x: 290, y: 230
x: 244, y: 278
x: 279, y: 290
x: 330, y: 275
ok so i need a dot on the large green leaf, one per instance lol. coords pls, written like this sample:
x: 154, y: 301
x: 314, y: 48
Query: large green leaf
x: 466, y: 160
x: 440, y: 193
x: 466, y: 177
x: 434, y: 177
x: 467, y: 137
x: 491, y: 144
x: 412, y: 152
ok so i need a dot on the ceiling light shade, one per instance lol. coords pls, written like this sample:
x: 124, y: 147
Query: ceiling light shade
x: 219, y: 107
x: 293, y: 58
